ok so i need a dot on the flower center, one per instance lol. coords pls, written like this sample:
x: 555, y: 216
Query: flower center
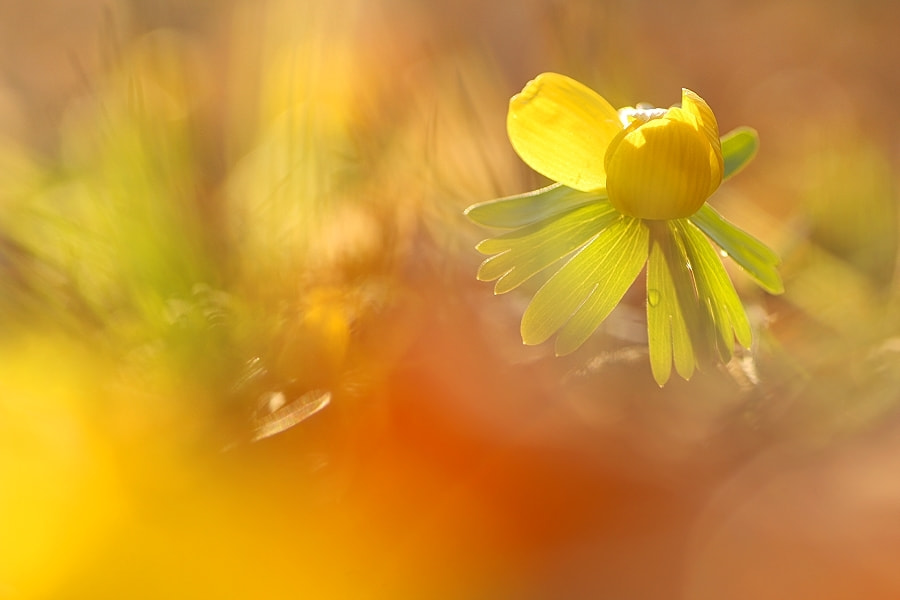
x: 642, y: 112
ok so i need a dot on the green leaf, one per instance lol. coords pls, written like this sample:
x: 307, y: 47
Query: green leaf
x: 757, y: 259
x: 739, y: 146
x: 576, y: 299
x: 672, y: 311
x: 531, y: 207
x: 522, y: 253
x: 715, y: 291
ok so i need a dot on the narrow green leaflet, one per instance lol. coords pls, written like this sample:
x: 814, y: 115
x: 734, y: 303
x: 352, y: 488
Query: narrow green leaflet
x: 531, y: 207
x: 715, y: 291
x: 520, y: 254
x: 632, y: 249
x: 588, y: 286
x: 671, y: 306
x: 753, y: 256
x: 739, y: 146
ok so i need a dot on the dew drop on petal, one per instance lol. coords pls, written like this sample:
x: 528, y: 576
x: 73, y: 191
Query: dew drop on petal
x: 653, y: 297
x: 723, y: 254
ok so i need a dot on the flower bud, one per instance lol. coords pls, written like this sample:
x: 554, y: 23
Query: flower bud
x: 665, y: 164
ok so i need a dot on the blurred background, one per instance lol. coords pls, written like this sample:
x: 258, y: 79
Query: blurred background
x: 216, y: 213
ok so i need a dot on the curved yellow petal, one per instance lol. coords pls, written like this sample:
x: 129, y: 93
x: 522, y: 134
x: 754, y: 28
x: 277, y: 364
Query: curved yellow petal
x: 561, y: 129
x: 697, y: 107
x: 661, y: 170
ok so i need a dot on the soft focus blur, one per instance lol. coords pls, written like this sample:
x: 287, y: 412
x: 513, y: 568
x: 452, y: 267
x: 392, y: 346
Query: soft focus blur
x: 216, y: 211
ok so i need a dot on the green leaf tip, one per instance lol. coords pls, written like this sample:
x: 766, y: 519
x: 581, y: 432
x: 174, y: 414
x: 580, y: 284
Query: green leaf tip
x: 739, y: 146
x: 757, y: 259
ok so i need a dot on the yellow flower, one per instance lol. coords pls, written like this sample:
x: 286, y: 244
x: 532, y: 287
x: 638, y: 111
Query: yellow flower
x: 630, y: 196
x: 653, y: 163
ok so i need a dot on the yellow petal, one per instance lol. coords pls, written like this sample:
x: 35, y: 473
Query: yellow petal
x: 697, y: 107
x: 561, y: 129
x: 661, y: 169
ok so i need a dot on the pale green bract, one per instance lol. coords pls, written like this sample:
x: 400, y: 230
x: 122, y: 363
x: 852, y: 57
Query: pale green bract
x: 693, y: 310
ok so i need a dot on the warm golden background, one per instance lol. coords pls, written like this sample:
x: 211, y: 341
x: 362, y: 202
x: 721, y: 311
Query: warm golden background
x: 204, y: 202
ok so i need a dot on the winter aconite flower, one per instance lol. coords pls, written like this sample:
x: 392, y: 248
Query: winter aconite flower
x: 631, y: 192
x: 654, y: 163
